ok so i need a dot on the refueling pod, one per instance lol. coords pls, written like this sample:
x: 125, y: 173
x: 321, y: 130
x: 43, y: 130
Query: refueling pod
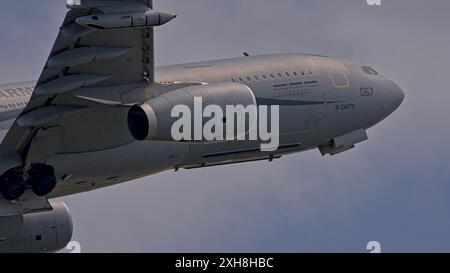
x: 113, y: 21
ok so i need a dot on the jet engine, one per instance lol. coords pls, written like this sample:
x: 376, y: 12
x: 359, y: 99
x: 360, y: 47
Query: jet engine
x: 153, y: 119
x: 39, y: 232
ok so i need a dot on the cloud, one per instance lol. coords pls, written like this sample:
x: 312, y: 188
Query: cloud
x: 393, y: 188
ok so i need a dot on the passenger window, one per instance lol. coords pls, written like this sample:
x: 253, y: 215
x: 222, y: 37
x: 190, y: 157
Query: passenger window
x: 280, y: 76
x: 295, y: 74
x: 249, y: 79
x: 287, y: 74
x: 272, y: 76
x: 257, y: 78
x: 241, y: 79
x: 264, y: 77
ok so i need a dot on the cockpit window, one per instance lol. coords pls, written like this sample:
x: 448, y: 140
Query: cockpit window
x: 369, y: 70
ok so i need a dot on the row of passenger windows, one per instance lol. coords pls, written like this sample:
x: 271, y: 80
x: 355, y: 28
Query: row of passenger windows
x: 272, y: 76
x: 13, y: 105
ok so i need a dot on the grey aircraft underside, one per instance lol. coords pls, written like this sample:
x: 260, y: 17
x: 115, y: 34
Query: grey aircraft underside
x: 87, y: 122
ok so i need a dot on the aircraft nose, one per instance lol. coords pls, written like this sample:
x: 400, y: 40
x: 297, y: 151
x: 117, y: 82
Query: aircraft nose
x: 398, y: 96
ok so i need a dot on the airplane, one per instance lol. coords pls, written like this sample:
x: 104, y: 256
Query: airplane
x: 99, y: 114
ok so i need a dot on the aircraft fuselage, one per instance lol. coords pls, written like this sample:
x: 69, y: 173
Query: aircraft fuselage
x: 322, y: 102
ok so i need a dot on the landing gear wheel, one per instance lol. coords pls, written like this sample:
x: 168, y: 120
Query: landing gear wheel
x: 12, y: 187
x: 43, y: 180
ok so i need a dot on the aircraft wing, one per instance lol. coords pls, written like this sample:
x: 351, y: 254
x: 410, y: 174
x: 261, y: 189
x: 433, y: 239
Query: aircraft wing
x: 104, y: 49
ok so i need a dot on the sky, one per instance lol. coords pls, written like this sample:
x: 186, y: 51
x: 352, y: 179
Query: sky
x: 393, y: 189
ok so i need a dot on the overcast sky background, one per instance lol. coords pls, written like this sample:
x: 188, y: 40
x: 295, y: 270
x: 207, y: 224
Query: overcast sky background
x: 394, y: 188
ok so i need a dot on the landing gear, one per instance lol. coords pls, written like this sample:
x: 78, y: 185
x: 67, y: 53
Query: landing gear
x: 12, y: 185
x: 42, y: 179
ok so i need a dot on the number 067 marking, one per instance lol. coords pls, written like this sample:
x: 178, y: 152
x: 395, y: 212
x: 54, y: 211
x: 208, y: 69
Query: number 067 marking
x: 366, y: 91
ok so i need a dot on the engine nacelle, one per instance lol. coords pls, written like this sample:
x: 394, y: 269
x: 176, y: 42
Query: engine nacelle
x: 153, y: 119
x: 37, y: 232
